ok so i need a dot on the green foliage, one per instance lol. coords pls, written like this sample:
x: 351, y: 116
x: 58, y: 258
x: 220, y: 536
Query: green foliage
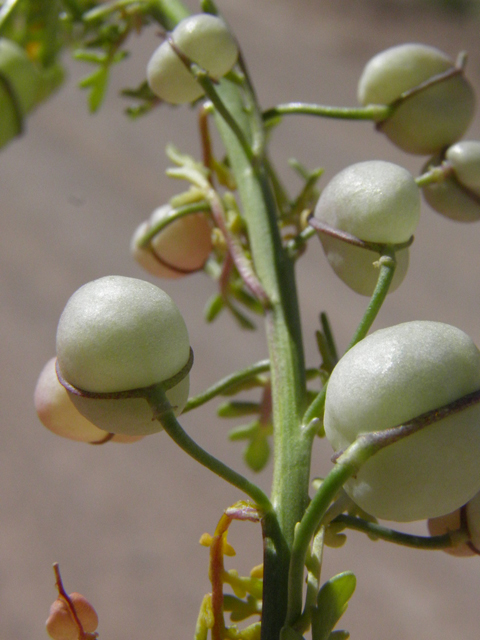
x: 332, y: 603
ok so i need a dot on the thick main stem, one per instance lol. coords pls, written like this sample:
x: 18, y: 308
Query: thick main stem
x: 275, y: 271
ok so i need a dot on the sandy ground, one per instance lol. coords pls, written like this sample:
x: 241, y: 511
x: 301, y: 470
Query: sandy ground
x: 124, y: 521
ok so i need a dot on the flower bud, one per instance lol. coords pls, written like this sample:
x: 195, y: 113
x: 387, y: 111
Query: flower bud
x: 375, y: 201
x: 61, y: 624
x: 391, y: 377
x: 428, y: 114
x: 57, y: 412
x: 181, y: 247
x: 457, y: 196
x: 120, y: 334
x: 206, y: 40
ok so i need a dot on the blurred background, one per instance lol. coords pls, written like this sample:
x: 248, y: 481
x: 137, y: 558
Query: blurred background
x: 124, y: 521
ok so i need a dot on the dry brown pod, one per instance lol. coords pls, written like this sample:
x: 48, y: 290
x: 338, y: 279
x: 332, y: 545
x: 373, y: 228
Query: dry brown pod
x: 61, y: 623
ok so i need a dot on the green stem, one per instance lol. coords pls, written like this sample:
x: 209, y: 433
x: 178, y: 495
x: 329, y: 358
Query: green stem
x: 307, y: 527
x: 161, y: 408
x: 450, y: 539
x: 275, y: 271
x: 168, y: 12
x: 233, y: 381
x: 435, y: 175
x: 385, y: 277
x: 376, y: 112
x: 174, y: 214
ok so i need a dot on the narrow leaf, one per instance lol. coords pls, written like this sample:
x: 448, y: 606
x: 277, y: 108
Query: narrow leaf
x: 332, y: 602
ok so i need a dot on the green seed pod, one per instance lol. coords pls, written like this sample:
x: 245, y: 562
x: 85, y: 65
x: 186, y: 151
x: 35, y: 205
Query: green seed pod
x: 206, y: 40
x: 180, y: 248
x: 458, y: 196
x: 19, y: 88
x: 427, y: 117
x: 389, y: 378
x: 358, y: 267
x: 375, y: 201
x: 118, y: 334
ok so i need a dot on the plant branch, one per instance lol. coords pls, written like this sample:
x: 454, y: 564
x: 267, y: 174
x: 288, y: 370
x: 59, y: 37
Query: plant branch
x: 450, y: 539
x: 227, y: 384
x: 376, y: 112
x: 162, y: 411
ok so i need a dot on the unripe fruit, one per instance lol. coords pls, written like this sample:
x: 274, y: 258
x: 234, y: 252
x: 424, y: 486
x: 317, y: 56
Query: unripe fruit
x: 358, y: 267
x: 389, y: 378
x: 23, y: 80
x: 181, y: 247
x: 60, y: 623
x: 119, y: 334
x: 57, y: 412
x: 375, y: 201
x: 458, y: 196
x: 205, y: 40
x: 428, y: 119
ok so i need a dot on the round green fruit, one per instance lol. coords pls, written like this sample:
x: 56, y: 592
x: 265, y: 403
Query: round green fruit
x: 389, y: 378
x: 180, y: 248
x: 426, y: 117
x: 206, y: 40
x: 358, y: 267
x: 457, y: 196
x: 119, y: 334
x: 375, y: 201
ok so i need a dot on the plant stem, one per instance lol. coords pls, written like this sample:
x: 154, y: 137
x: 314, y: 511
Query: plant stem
x: 376, y: 112
x: 168, y: 12
x: 230, y: 382
x: 444, y: 541
x: 162, y: 411
x: 275, y: 271
x: 385, y: 277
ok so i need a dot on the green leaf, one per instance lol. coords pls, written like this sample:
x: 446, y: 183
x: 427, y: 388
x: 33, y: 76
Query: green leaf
x: 97, y: 83
x: 213, y: 307
x: 257, y: 452
x: 237, y: 409
x: 243, y: 431
x: 339, y: 635
x: 87, y: 55
x: 287, y: 633
x: 332, y: 602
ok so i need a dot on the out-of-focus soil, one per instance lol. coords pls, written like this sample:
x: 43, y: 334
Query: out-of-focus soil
x: 124, y: 521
